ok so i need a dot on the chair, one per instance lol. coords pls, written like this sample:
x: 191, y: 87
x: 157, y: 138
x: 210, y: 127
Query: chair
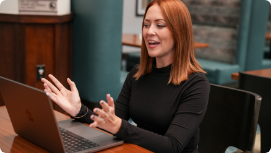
x: 230, y: 120
x: 132, y: 60
x: 261, y: 86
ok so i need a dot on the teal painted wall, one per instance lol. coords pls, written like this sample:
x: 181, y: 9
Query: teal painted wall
x: 258, y: 27
x: 243, y: 33
x: 97, y: 30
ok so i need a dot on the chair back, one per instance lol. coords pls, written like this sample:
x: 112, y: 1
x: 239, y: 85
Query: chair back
x: 261, y: 86
x: 230, y: 120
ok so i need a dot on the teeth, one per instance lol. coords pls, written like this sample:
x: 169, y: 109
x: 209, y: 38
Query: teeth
x: 151, y: 41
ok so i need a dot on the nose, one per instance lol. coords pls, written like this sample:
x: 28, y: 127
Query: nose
x: 151, y: 30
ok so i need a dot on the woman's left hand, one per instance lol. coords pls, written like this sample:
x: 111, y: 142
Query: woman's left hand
x: 106, y: 118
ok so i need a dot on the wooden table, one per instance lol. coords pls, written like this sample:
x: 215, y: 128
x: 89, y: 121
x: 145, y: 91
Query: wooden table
x: 262, y: 73
x: 135, y: 41
x: 268, y: 36
x: 10, y: 142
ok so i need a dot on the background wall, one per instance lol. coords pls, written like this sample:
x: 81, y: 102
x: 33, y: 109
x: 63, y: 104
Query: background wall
x: 9, y: 7
x: 12, y: 7
x: 131, y: 23
x: 97, y: 48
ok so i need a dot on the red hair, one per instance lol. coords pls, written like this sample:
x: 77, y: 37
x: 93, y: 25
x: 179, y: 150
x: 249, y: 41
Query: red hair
x: 179, y: 23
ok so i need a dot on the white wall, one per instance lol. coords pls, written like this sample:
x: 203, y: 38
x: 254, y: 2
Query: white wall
x: 9, y: 7
x: 12, y: 7
x: 63, y: 7
x: 131, y: 22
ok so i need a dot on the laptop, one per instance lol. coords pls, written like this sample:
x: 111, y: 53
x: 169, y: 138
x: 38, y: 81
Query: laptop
x: 32, y: 117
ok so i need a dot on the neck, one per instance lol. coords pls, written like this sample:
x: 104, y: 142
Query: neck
x: 163, y: 62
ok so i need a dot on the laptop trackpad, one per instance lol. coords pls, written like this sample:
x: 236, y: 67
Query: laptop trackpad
x: 85, y: 131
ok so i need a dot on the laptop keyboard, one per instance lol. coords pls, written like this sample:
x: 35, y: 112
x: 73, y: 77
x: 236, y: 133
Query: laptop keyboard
x: 75, y: 143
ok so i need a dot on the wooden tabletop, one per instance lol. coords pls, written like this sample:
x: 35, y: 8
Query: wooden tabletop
x: 262, y: 73
x: 10, y: 142
x: 135, y: 41
x: 268, y: 35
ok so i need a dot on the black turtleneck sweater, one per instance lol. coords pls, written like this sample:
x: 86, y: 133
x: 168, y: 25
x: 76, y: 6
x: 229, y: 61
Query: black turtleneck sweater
x: 167, y: 116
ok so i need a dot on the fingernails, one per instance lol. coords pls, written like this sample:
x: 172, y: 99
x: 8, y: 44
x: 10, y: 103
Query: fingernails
x: 93, y: 117
x: 69, y: 78
x: 96, y: 110
x: 109, y: 95
x: 102, y: 102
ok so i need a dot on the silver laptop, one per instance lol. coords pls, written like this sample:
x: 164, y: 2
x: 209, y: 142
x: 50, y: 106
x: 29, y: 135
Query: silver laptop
x: 32, y: 117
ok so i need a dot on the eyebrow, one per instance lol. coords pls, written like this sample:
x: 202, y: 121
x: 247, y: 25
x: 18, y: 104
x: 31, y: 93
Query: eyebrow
x: 155, y: 20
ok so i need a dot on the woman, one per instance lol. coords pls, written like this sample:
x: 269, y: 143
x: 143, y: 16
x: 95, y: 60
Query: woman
x: 166, y: 95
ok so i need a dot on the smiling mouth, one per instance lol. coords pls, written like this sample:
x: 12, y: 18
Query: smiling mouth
x: 153, y: 42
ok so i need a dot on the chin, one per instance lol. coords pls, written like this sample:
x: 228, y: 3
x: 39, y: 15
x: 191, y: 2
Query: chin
x: 152, y: 54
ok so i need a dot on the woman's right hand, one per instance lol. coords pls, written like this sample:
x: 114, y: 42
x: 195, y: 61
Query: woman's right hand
x: 66, y: 99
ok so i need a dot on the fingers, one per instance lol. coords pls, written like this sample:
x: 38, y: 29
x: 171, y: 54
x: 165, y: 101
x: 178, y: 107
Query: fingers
x: 52, y: 97
x: 104, y: 106
x: 56, y: 82
x: 97, y: 119
x: 100, y: 112
x: 50, y: 85
x: 93, y: 125
x: 110, y: 100
x: 48, y: 91
x: 72, y: 85
x: 103, y: 113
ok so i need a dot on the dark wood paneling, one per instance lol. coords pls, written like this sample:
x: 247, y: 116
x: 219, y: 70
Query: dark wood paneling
x: 63, y: 45
x: 1, y: 100
x: 27, y: 41
x: 19, y: 47
x: 40, y: 19
x: 7, y: 50
x: 39, y: 48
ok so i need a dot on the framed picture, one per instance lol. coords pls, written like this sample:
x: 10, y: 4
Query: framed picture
x: 141, y: 6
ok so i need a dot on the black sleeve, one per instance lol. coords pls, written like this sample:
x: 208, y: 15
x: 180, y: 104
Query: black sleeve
x: 86, y: 113
x: 185, y: 124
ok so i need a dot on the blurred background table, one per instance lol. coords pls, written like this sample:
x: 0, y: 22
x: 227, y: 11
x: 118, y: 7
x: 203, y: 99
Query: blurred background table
x: 135, y: 41
x: 268, y: 36
x: 262, y: 73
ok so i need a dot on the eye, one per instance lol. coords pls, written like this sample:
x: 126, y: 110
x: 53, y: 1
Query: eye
x: 146, y: 25
x: 160, y: 26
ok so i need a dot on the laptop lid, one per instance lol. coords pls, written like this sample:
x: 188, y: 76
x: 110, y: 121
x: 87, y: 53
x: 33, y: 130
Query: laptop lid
x: 24, y: 105
x: 32, y: 117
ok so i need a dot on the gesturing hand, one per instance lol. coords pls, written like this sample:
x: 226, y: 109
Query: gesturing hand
x: 106, y: 118
x: 66, y: 99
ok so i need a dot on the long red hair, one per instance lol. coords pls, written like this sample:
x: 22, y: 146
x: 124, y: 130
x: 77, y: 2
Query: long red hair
x: 179, y: 23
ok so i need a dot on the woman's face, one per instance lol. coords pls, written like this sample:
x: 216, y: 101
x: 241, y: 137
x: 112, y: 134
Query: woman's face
x: 156, y: 34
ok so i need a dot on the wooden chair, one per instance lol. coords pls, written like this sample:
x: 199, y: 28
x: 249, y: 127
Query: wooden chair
x: 261, y: 86
x: 230, y: 120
